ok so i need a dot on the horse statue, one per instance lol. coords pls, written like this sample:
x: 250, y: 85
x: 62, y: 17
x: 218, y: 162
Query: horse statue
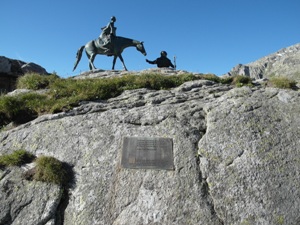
x: 92, y: 48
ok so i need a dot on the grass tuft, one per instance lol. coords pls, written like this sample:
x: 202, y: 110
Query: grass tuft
x: 47, y: 169
x: 51, y: 170
x: 17, y: 158
x: 212, y: 77
x: 282, y: 82
x: 22, y: 108
x: 240, y: 81
x: 35, y: 81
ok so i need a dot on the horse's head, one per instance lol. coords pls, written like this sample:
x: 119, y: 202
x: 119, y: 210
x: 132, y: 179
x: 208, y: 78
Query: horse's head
x: 140, y: 48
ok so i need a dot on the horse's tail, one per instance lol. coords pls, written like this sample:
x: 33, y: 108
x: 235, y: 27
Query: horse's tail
x: 78, y: 56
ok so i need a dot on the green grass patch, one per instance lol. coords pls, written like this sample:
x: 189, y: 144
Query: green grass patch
x: 240, y: 81
x: 23, y: 107
x: 17, y: 158
x: 64, y: 94
x: 47, y: 169
x: 226, y: 80
x: 35, y: 81
x: 282, y: 82
x: 212, y: 77
x: 51, y: 170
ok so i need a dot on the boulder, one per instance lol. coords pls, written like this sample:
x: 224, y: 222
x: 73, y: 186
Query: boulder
x: 26, y: 202
x: 11, y: 66
x: 11, y: 69
x: 235, y: 153
x: 5, y: 65
x: 33, y: 68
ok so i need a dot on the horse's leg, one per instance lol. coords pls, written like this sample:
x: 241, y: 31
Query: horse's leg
x: 89, y: 57
x: 114, y: 62
x: 91, y: 52
x: 92, y: 61
x: 122, y: 60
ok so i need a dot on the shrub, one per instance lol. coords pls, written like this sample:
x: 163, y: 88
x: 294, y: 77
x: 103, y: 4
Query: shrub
x: 51, y: 170
x: 17, y: 158
x: 282, y: 82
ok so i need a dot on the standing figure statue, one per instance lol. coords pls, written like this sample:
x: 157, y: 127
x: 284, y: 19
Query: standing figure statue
x: 162, y: 61
x: 108, y: 35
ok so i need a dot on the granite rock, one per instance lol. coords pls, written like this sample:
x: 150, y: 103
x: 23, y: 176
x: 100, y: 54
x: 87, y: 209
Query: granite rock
x: 236, y: 157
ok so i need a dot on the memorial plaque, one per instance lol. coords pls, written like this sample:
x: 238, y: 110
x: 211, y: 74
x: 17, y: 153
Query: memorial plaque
x: 147, y: 153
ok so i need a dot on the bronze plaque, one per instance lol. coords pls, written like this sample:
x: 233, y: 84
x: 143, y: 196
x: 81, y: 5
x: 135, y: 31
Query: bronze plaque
x: 147, y: 153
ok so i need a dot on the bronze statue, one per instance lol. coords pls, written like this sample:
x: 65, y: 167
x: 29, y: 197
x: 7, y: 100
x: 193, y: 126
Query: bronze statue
x: 108, y: 44
x: 162, y: 61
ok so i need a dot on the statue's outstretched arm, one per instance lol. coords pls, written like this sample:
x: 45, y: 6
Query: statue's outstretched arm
x: 151, y: 62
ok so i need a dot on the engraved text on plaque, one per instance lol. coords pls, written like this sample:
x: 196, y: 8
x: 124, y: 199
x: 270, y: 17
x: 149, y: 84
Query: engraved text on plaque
x: 147, y: 153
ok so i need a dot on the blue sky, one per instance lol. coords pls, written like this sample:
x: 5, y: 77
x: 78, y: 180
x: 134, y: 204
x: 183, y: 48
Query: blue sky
x: 206, y: 36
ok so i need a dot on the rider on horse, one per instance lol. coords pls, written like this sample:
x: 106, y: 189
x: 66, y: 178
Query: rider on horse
x: 108, y: 34
x: 108, y: 44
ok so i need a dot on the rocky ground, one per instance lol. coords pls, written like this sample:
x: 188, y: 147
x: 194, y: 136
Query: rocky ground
x: 236, y: 159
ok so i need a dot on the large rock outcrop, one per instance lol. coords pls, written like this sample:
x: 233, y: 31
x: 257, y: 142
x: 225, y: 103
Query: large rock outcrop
x: 236, y: 157
x: 11, y: 69
x: 18, y: 67
x: 285, y: 62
